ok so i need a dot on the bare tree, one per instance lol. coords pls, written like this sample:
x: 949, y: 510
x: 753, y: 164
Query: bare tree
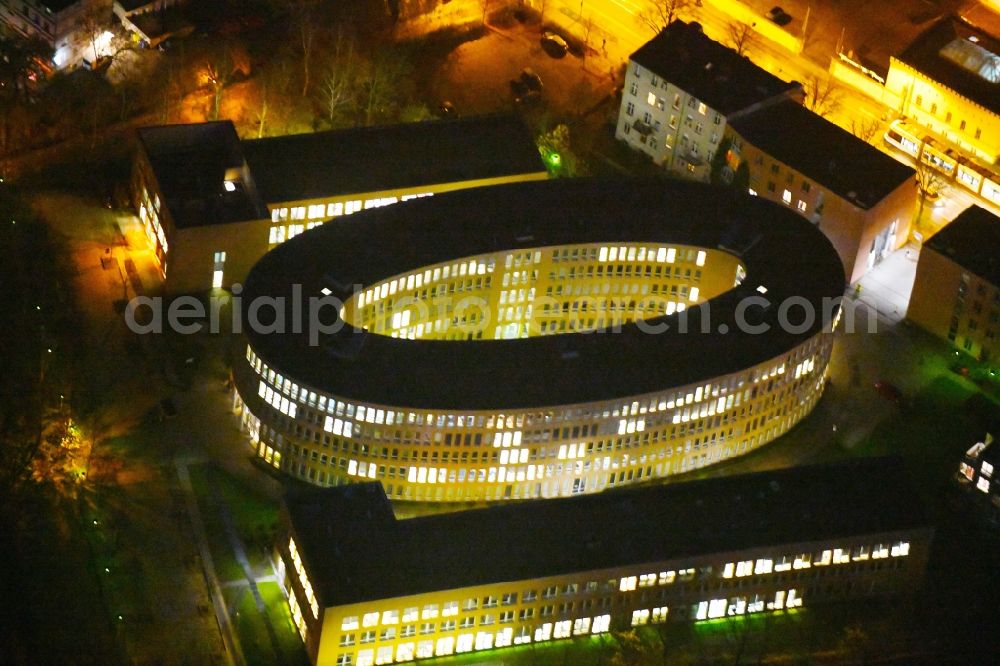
x: 931, y: 183
x: 305, y: 20
x: 92, y: 23
x: 273, y: 94
x: 658, y: 14
x: 741, y: 36
x: 542, y: 6
x: 865, y: 129
x: 338, y: 90
x: 823, y: 96
x: 588, y: 29
x: 379, y: 87
x: 218, y: 71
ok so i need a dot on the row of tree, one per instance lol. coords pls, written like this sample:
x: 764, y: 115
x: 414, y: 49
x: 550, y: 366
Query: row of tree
x: 39, y: 337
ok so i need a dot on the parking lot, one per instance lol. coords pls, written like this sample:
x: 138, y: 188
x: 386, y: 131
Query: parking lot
x: 476, y: 77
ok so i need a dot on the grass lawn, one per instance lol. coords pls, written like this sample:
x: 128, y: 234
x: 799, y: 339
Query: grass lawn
x: 227, y: 568
x: 930, y: 432
x: 289, y: 641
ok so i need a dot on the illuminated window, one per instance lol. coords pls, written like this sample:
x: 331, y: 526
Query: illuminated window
x: 218, y: 270
x: 445, y: 646
x: 404, y: 652
x: 563, y: 629
x: 640, y: 617
x: 384, y: 655
x: 786, y: 196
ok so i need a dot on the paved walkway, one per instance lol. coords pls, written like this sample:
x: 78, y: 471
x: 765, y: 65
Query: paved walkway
x: 236, y: 543
x: 234, y: 653
x: 887, y: 287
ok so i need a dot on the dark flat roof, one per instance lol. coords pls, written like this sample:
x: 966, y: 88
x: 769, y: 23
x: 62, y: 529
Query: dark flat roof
x: 972, y: 240
x: 823, y: 152
x: 925, y: 55
x: 324, y: 164
x: 190, y: 162
x: 355, y: 550
x: 780, y: 250
x: 715, y: 74
x: 57, y: 6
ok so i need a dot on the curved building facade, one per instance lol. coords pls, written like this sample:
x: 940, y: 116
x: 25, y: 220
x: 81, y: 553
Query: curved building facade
x: 536, y: 340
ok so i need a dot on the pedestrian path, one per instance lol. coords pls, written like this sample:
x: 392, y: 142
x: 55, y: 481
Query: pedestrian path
x: 886, y: 288
x: 234, y: 653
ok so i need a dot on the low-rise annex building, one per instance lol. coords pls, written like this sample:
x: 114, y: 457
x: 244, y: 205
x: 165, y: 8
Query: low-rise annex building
x: 681, y: 89
x: 956, y: 292
x: 367, y: 588
x: 212, y: 205
x: 862, y: 199
x: 537, y: 339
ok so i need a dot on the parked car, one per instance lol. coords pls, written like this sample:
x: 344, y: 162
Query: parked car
x: 531, y: 80
x: 554, y: 44
x: 889, y: 391
x: 779, y: 16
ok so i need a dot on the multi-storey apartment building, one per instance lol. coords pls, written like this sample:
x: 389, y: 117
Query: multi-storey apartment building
x: 956, y: 293
x: 212, y: 204
x: 452, y: 375
x: 862, y: 199
x: 76, y: 30
x: 680, y: 90
x: 365, y: 588
x: 947, y: 80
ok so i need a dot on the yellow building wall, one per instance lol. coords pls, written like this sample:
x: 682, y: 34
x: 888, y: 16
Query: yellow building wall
x: 936, y: 307
x: 626, y: 596
x: 850, y: 228
x: 935, y: 102
x: 191, y: 257
x: 283, y: 213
